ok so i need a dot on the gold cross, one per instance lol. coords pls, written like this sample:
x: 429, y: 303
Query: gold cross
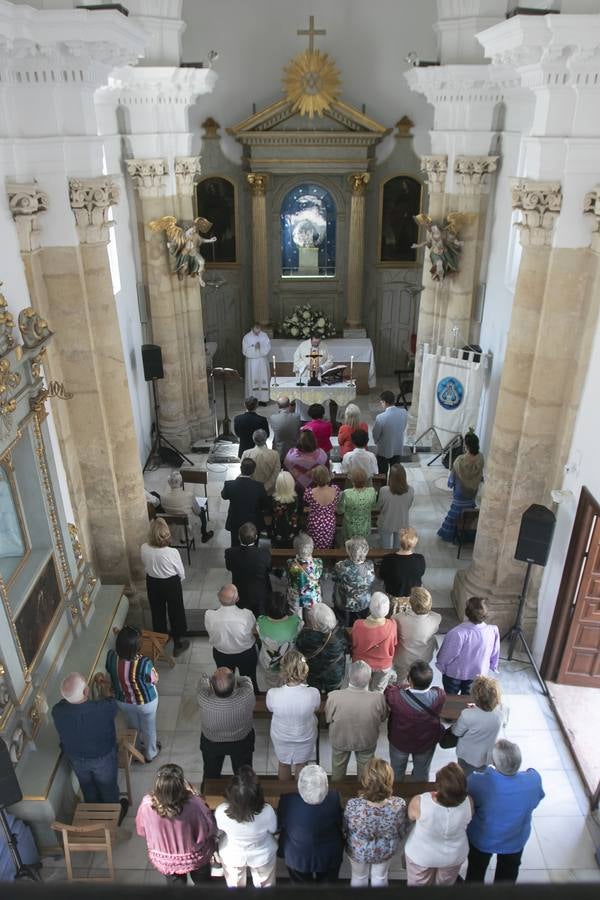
x: 311, y: 32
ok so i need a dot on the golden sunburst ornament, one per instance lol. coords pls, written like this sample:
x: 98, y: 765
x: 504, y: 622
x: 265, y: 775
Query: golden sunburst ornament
x: 311, y: 83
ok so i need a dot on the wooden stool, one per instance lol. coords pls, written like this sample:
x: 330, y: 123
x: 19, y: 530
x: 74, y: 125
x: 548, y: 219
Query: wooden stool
x: 91, y: 832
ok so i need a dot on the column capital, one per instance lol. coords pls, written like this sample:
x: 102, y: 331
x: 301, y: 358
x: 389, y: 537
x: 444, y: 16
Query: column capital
x: 434, y: 168
x: 91, y: 199
x: 25, y: 201
x: 591, y: 206
x: 539, y: 203
x: 358, y: 182
x: 186, y: 170
x: 148, y: 176
x: 472, y: 173
x: 258, y: 183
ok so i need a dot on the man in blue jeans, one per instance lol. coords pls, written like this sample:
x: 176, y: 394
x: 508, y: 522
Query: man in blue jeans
x: 89, y: 740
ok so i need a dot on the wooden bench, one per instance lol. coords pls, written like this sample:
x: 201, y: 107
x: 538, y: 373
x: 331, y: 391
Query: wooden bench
x: 375, y: 553
x: 451, y: 710
x: 213, y: 789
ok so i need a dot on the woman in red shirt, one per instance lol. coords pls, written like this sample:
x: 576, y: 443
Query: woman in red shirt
x: 319, y: 427
x: 351, y: 423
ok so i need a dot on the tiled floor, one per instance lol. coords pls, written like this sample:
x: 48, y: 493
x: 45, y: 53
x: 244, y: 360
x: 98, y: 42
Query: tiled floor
x: 564, y: 835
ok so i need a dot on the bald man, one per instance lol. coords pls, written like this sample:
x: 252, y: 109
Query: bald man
x: 89, y: 741
x: 226, y: 707
x: 231, y: 634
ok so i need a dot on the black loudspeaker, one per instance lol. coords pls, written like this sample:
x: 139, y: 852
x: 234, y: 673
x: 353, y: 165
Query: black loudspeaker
x: 10, y: 792
x: 152, y: 360
x: 535, y: 535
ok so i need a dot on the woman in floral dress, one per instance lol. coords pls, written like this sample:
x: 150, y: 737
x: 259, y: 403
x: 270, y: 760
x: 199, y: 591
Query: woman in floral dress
x: 304, y: 575
x: 321, y: 500
x: 356, y: 504
x: 352, y: 580
x: 284, y: 511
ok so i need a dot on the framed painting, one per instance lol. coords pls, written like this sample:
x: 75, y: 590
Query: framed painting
x: 36, y: 616
x: 400, y: 202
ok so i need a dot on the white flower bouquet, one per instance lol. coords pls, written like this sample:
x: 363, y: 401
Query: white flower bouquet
x: 304, y: 321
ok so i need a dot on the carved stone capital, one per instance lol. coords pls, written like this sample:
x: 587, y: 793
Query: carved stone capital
x: 471, y: 173
x: 25, y: 201
x: 186, y: 170
x: 591, y: 206
x: 258, y: 183
x: 358, y: 183
x: 91, y: 199
x: 149, y: 176
x: 539, y: 203
x: 434, y: 169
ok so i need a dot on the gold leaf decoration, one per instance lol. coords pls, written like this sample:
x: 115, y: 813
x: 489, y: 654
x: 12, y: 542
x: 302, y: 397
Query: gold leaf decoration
x: 311, y: 83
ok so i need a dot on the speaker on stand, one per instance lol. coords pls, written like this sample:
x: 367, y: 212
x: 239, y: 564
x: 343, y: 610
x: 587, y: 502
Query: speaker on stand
x: 533, y: 547
x: 10, y: 792
x: 162, y: 450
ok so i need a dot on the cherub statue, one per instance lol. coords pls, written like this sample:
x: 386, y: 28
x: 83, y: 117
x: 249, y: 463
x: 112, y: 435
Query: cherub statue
x: 33, y: 328
x: 443, y: 243
x: 184, y: 242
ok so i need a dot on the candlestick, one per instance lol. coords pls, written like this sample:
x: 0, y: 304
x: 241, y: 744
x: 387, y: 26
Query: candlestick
x: 275, y: 372
x: 351, y: 367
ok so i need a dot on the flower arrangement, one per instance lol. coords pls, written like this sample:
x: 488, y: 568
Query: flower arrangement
x: 304, y: 321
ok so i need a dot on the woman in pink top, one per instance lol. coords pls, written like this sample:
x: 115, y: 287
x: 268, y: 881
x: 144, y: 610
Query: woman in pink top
x: 178, y: 826
x: 302, y: 459
x: 374, y: 640
x: 319, y: 426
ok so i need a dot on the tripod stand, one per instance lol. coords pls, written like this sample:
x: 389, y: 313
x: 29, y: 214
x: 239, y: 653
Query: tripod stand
x: 160, y: 440
x: 22, y: 871
x: 516, y: 633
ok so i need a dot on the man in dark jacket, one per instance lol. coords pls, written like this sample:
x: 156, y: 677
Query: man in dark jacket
x: 250, y: 565
x: 247, y: 500
x: 414, y: 723
x: 247, y: 423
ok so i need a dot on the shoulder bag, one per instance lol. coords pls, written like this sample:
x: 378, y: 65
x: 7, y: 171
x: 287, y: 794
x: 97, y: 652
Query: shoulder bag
x: 447, y: 738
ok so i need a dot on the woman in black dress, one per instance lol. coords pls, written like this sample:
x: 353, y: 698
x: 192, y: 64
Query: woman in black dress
x: 284, y: 511
x: 403, y: 570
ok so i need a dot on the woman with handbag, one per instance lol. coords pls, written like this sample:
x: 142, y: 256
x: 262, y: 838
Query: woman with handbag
x: 324, y: 646
x: 477, y: 728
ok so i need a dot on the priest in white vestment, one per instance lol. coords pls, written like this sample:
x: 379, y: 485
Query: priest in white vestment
x: 301, y: 356
x: 256, y: 347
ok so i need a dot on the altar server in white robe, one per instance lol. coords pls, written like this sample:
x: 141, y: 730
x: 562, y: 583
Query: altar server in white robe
x: 256, y: 347
x: 314, y: 344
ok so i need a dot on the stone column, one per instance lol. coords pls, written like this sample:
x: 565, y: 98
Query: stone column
x: 356, y: 254
x: 175, y: 309
x: 260, y: 264
x: 539, y: 390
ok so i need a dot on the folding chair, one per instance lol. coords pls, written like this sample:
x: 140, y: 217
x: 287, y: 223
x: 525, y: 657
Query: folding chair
x: 153, y: 646
x: 189, y: 541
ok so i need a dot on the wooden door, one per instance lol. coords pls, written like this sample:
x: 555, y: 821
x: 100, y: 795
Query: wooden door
x: 395, y: 323
x: 580, y: 663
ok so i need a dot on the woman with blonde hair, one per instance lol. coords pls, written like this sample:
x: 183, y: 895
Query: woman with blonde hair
x: 178, y: 826
x: 321, y: 499
x: 294, y: 723
x: 284, y: 511
x: 403, y: 570
x: 164, y: 574
x: 478, y: 726
x: 356, y: 504
x: 351, y: 424
x: 375, y: 822
x: 394, y: 501
x: 417, y: 627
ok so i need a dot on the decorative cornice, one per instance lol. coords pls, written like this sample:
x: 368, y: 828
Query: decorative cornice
x: 258, y: 183
x: 186, y: 170
x: 91, y: 199
x: 434, y: 169
x: 358, y: 183
x: 140, y: 84
x: 471, y: 173
x: 539, y: 203
x: 25, y: 201
x: 148, y: 176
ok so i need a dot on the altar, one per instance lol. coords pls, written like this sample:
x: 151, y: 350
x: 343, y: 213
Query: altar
x: 343, y: 393
x: 342, y: 350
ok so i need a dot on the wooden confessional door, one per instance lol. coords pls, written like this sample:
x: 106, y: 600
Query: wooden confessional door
x: 580, y: 663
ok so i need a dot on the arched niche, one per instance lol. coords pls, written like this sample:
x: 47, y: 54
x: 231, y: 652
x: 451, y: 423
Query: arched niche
x: 400, y: 201
x: 308, y: 231
x: 216, y: 200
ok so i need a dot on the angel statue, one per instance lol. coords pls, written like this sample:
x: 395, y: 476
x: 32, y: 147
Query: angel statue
x: 443, y: 243
x: 184, y: 242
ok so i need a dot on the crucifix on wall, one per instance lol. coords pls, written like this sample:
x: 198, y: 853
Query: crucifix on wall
x: 312, y: 32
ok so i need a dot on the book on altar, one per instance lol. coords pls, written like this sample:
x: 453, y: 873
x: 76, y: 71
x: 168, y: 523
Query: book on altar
x: 199, y: 503
x: 333, y: 375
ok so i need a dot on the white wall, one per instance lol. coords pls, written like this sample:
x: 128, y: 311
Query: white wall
x: 255, y: 40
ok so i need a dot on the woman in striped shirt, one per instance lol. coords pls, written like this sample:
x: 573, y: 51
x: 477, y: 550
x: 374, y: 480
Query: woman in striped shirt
x: 133, y: 680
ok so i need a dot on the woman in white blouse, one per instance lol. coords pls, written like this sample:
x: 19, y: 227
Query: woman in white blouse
x: 478, y: 726
x: 294, y: 723
x: 164, y: 574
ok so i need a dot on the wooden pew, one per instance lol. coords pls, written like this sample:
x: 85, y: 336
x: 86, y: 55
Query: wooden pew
x: 213, y: 789
x: 375, y: 553
x: 451, y: 709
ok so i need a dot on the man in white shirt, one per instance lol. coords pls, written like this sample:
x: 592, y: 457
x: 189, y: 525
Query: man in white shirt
x: 256, y: 347
x: 231, y: 634
x: 360, y: 457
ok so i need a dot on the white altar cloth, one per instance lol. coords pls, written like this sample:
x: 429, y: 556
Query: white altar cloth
x: 343, y: 393
x: 341, y: 350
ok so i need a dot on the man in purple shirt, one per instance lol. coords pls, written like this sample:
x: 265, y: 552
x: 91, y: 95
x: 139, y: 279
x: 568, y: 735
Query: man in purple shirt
x: 468, y: 650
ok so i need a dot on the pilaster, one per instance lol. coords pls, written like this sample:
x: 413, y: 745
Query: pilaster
x: 25, y: 201
x: 260, y: 265
x: 356, y: 252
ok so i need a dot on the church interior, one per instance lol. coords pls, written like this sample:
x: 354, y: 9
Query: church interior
x: 192, y: 188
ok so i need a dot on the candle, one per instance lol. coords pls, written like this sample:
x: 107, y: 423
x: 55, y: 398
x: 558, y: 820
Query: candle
x: 274, y: 368
x: 351, y: 367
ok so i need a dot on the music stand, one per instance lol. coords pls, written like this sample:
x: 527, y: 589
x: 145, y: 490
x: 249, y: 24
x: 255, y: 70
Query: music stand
x: 224, y: 374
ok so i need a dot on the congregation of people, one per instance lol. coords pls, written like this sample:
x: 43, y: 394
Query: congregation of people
x: 359, y: 661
